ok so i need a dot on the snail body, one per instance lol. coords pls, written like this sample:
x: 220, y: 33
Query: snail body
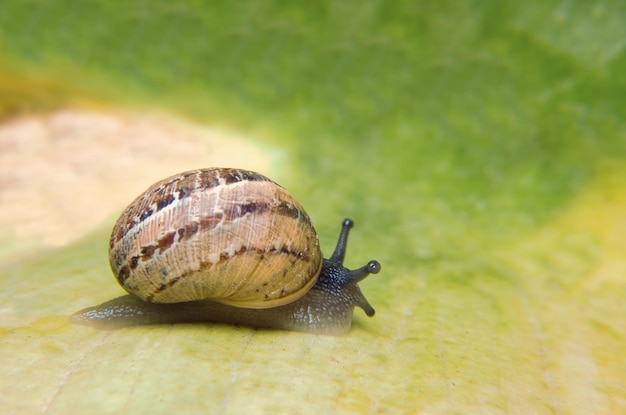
x: 229, y: 246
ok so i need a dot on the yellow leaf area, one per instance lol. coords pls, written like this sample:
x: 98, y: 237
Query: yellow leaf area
x: 538, y: 329
x: 576, y: 287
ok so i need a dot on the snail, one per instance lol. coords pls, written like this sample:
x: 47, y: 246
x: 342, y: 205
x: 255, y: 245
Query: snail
x: 228, y: 246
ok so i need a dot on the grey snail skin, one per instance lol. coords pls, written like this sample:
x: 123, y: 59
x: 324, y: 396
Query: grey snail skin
x: 227, y: 246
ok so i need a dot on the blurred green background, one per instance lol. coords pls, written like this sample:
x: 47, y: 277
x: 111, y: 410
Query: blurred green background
x: 479, y: 146
x: 490, y: 113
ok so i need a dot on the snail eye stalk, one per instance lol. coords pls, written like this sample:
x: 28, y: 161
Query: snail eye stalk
x: 342, y: 244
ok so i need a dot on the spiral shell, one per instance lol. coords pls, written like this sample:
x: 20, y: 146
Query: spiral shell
x: 228, y: 235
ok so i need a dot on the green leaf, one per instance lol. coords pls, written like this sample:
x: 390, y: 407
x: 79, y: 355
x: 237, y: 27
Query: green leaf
x: 479, y: 147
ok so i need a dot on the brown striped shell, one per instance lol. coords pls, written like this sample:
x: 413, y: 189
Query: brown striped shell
x: 228, y: 235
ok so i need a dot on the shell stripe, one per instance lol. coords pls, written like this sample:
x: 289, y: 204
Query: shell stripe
x: 224, y: 256
x: 164, y: 193
x: 210, y: 222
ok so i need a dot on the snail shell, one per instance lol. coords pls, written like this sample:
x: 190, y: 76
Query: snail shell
x: 227, y: 245
x: 232, y: 236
